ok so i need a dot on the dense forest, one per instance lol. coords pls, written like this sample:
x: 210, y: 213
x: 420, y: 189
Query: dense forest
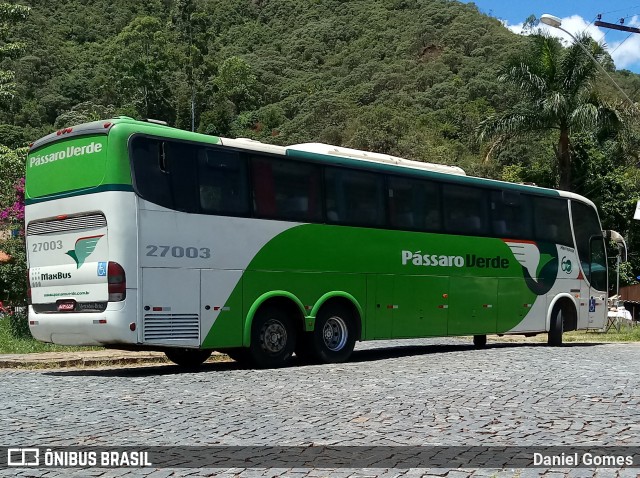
x: 424, y: 79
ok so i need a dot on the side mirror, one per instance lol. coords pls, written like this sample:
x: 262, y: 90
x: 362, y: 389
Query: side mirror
x: 619, y: 240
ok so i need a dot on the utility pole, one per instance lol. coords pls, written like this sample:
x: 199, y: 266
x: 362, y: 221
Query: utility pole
x: 615, y: 26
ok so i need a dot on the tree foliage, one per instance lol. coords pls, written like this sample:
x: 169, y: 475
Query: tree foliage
x: 557, y: 94
x: 10, y: 16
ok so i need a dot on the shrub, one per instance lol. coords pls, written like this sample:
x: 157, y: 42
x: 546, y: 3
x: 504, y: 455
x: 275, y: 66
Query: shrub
x: 19, y: 325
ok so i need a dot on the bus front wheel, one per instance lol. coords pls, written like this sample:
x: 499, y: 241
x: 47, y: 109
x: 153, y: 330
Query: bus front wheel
x: 273, y: 338
x: 556, y: 327
x: 188, y: 358
x: 479, y: 341
x: 334, y: 336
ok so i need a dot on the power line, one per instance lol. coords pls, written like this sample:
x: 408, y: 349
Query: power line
x: 620, y: 10
x: 620, y: 44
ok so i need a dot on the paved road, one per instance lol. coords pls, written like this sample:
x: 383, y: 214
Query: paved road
x: 418, y: 392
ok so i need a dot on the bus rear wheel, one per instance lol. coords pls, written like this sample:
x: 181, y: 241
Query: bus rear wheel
x: 556, y: 327
x: 334, y: 336
x: 273, y: 338
x: 188, y: 358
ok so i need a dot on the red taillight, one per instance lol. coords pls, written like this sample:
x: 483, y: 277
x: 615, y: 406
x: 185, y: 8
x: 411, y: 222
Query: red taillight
x: 117, y: 282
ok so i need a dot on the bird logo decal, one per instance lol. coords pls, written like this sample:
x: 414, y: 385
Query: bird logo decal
x: 83, y: 249
x: 530, y: 254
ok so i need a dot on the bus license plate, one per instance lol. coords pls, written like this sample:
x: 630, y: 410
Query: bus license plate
x: 66, y: 305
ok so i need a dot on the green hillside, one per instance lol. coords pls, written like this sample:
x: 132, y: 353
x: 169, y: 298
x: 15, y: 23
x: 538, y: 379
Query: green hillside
x: 412, y: 78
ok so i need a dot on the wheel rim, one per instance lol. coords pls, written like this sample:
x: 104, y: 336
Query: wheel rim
x: 274, y: 336
x: 335, y: 333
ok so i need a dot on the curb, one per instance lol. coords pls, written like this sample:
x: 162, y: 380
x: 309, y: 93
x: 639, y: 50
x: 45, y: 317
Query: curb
x: 78, y: 361
x: 55, y: 360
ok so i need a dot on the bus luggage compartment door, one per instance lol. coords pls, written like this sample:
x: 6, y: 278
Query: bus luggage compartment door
x: 474, y: 305
x: 170, y: 307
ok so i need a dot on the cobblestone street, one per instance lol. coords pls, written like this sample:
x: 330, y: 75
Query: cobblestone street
x: 416, y: 392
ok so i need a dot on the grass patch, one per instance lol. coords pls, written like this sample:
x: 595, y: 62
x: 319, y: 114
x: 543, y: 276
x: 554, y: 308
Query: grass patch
x: 626, y: 334
x: 10, y: 344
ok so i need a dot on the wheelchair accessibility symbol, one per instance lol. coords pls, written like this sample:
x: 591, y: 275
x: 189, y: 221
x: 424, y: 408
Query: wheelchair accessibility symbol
x: 592, y: 304
x: 566, y: 265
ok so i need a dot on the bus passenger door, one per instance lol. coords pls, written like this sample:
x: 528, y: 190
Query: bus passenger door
x: 597, y: 276
x: 474, y: 305
x: 171, y: 303
x: 420, y: 306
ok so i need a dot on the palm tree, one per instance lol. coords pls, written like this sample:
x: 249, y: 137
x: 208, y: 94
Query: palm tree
x: 557, y: 94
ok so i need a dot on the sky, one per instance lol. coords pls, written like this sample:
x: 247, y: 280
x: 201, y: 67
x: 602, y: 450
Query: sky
x: 577, y: 17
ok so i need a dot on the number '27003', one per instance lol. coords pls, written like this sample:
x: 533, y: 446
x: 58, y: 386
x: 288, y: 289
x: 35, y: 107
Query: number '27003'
x: 178, y: 251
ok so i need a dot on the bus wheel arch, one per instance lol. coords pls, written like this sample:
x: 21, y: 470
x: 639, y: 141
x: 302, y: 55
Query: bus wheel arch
x: 562, y: 317
x: 272, y: 328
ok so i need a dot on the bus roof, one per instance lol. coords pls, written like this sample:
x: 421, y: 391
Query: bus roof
x: 329, y: 149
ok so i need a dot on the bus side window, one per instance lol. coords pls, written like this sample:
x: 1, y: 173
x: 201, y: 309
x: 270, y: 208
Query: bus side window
x: 286, y: 189
x: 465, y: 210
x: 180, y: 159
x: 150, y: 181
x: 414, y: 204
x: 551, y: 220
x: 222, y: 182
x: 354, y: 197
x: 510, y: 214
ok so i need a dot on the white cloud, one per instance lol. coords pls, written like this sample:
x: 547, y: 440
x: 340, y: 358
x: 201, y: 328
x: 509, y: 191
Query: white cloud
x: 625, y: 53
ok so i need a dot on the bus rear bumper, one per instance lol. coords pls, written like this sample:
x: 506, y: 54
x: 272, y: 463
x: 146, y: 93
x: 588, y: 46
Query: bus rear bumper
x: 111, y: 327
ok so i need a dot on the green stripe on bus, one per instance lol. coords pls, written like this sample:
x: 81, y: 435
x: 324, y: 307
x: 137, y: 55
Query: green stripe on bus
x: 81, y: 192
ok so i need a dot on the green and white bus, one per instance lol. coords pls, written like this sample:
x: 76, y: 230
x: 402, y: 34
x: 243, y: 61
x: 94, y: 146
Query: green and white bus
x: 146, y: 237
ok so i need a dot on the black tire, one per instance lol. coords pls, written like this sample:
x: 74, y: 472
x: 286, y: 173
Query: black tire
x: 273, y: 338
x: 335, y: 334
x: 479, y: 341
x: 188, y: 358
x: 556, y: 327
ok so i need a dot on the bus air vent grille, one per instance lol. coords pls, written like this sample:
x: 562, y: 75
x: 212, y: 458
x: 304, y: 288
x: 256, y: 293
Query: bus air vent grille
x: 72, y: 223
x: 171, y: 326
